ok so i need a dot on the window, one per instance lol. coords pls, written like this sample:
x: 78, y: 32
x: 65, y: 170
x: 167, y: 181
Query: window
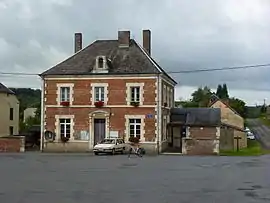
x: 64, y: 94
x: 100, y: 62
x: 164, y: 95
x: 135, y: 94
x: 65, y: 125
x: 99, y: 94
x: 164, y: 128
x: 135, y: 128
x: 11, y: 114
x: 10, y: 130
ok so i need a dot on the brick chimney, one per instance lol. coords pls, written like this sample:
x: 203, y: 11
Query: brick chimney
x: 123, y: 38
x: 147, y: 41
x: 78, y: 42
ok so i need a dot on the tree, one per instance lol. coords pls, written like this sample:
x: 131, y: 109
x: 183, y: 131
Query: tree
x: 219, y: 91
x: 201, y: 96
x: 238, y: 105
x: 225, y: 94
x: 222, y: 91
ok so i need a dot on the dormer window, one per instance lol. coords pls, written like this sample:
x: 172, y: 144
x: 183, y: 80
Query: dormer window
x: 100, y: 62
x: 101, y: 65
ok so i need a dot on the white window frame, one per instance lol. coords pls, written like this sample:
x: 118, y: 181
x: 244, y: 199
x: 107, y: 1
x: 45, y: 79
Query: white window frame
x: 65, y: 124
x: 136, y: 91
x: 137, y: 126
x: 164, y: 127
x: 128, y: 92
x: 92, y: 93
x: 58, y: 128
x: 127, y: 124
x: 66, y: 92
x: 59, y: 86
x: 104, y: 62
x: 168, y: 97
x: 101, y: 94
x: 164, y: 93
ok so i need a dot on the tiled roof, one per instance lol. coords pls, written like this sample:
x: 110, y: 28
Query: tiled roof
x: 129, y: 60
x: 4, y: 89
x: 197, y: 116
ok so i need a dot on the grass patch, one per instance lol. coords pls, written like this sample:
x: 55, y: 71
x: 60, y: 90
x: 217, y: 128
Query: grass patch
x: 265, y: 120
x: 253, y: 149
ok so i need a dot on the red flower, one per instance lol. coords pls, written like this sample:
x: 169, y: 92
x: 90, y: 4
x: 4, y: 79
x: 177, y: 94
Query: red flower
x: 65, y: 103
x: 99, y: 104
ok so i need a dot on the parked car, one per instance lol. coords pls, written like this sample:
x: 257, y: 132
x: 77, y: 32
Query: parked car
x: 250, y: 136
x: 111, y: 146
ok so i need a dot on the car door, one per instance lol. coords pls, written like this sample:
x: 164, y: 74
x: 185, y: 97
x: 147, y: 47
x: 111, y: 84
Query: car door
x: 119, y: 144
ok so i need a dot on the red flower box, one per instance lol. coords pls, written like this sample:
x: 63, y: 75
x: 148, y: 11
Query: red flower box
x: 65, y: 103
x: 99, y: 104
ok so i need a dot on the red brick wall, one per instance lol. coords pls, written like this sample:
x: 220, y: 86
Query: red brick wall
x: 203, y: 133
x: 201, y: 141
x: 12, y: 144
x: 116, y: 96
x: 116, y: 88
x: 117, y: 119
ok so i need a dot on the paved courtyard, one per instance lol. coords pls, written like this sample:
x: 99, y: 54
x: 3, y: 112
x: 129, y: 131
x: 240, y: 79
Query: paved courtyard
x: 80, y: 178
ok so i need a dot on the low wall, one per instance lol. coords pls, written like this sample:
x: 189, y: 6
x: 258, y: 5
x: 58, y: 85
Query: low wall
x: 200, y: 146
x: 77, y: 147
x: 66, y: 147
x: 12, y: 144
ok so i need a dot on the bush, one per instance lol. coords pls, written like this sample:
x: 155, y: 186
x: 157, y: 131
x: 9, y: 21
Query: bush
x: 134, y: 140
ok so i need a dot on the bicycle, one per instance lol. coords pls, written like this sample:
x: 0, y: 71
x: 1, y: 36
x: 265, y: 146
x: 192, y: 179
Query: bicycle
x: 137, y: 151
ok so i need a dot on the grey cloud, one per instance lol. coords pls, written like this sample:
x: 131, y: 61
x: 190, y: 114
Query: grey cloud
x: 188, y: 34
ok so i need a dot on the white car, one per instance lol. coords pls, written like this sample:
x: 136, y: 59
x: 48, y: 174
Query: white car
x: 250, y: 136
x: 110, y: 145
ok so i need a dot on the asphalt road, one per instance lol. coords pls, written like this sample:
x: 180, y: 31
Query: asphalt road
x: 81, y: 178
x: 261, y: 132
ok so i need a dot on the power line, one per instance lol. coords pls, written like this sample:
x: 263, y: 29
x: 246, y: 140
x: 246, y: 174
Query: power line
x: 220, y: 69
x: 169, y: 72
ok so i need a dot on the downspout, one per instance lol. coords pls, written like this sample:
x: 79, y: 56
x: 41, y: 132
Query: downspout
x: 158, y: 113
x: 42, y: 116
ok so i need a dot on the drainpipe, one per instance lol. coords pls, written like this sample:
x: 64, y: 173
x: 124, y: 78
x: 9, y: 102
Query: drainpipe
x: 158, y: 112
x: 42, y: 116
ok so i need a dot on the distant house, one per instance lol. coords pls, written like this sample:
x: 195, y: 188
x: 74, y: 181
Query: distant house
x: 29, y: 112
x: 233, y: 123
x: 110, y: 88
x: 194, y: 131
x: 9, y: 112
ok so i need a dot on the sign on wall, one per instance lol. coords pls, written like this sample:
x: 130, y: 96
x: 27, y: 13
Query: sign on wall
x: 114, y: 134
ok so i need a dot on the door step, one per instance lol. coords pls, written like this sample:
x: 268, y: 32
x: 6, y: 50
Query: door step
x: 171, y: 153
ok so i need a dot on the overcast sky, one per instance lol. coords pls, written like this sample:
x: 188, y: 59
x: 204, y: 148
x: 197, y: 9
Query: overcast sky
x: 186, y: 34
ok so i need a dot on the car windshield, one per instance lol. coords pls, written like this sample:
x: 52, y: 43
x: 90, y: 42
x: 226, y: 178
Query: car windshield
x: 108, y: 141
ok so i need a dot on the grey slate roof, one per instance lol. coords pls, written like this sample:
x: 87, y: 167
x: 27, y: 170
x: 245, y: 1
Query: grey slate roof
x: 129, y: 60
x: 4, y: 89
x: 197, y: 116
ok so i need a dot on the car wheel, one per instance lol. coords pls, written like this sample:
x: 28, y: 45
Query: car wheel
x: 96, y: 153
x: 113, y: 152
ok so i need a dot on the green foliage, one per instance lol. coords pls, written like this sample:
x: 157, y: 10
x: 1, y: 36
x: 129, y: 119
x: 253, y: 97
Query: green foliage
x: 201, y: 96
x: 222, y: 91
x: 186, y: 104
x: 253, y: 149
x: 28, y: 98
x: 238, y: 105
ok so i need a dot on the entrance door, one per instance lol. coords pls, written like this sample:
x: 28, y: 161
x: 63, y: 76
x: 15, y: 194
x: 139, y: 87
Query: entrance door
x: 99, y: 130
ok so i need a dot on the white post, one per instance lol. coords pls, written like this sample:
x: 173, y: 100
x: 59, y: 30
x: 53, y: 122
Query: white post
x: 42, y: 116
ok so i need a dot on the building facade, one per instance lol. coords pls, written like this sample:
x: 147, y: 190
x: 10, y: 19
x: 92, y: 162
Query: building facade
x: 232, y: 122
x: 9, y: 112
x: 111, y: 88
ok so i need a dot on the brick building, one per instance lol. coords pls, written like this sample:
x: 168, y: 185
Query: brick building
x: 109, y: 88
